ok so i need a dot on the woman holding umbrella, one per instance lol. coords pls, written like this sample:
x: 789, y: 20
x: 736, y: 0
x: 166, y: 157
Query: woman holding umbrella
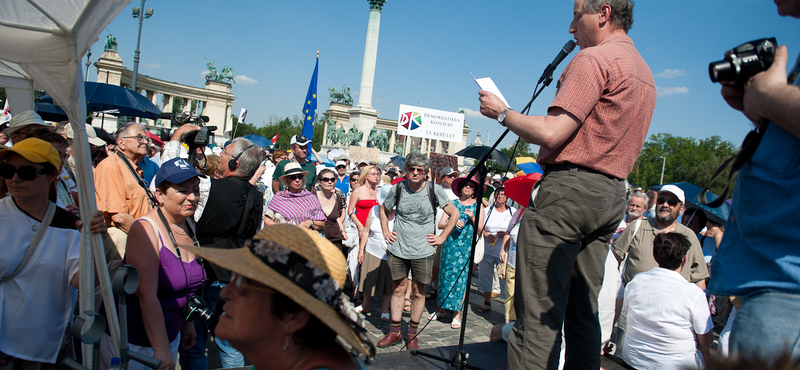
x: 456, y: 250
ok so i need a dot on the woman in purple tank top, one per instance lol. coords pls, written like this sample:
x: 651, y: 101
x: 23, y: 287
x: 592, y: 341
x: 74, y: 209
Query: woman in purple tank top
x: 169, y: 274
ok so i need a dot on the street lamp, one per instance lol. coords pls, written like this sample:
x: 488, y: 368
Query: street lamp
x: 663, y: 164
x: 141, y: 16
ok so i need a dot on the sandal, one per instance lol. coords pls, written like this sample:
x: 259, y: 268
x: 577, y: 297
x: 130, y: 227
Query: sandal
x: 456, y: 324
x: 433, y: 317
x: 407, y: 306
x: 359, y: 309
x: 487, y: 306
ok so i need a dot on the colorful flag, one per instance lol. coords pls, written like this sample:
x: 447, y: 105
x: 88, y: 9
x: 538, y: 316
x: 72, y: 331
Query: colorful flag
x: 275, y: 138
x: 6, y: 116
x: 310, y: 106
x: 242, y: 115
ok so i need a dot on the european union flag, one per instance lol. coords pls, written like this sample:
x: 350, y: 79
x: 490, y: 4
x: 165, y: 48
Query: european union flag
x: 310, y: 106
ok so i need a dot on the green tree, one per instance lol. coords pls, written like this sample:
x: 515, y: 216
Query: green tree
x: 687, y: 160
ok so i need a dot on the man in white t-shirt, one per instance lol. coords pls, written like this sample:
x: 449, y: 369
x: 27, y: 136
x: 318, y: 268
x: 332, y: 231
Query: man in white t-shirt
x: 669, y: 324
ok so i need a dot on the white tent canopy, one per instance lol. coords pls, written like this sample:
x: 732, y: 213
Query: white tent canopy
x: 42, y: 43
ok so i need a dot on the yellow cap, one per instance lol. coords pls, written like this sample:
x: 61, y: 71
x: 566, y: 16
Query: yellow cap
x: 34, y: 150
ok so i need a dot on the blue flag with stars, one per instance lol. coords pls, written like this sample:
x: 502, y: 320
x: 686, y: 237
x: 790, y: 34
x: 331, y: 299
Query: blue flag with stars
x: 310, y: 106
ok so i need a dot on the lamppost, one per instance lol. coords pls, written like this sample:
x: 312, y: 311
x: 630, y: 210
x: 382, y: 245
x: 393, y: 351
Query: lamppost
x: 663, y: 164
x: 137, y: 13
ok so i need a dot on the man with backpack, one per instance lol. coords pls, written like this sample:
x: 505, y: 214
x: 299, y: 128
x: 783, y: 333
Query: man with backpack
x: 411, y: 245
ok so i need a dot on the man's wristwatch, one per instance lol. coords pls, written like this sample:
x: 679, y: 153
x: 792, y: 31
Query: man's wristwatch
x: 502, y: 117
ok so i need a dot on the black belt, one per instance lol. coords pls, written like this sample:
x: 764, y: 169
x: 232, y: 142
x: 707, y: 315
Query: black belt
x: 569, y: 166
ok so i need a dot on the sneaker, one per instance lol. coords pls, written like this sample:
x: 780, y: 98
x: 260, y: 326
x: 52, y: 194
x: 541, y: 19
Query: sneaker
x: 391, y: 338
x: 385, y: 317
x: 412, y: 343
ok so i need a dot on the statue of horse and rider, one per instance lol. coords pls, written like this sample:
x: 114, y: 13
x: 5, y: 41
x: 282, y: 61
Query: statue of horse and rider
x: 343, y: 97
x: 212, y: 75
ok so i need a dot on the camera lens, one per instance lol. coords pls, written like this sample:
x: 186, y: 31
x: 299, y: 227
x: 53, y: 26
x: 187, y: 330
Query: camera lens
x: 721, y: 71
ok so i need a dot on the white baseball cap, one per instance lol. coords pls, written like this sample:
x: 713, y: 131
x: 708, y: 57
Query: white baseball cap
x: 674, y: 190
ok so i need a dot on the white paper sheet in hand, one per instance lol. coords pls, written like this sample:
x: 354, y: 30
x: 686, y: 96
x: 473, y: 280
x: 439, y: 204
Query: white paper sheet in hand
x: 487, y: 84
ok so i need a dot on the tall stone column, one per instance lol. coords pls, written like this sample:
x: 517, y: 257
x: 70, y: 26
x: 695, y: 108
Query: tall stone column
x: 363, y: 115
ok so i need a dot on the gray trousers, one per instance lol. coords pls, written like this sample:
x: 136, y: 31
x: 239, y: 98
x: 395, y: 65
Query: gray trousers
x: 561, y: 253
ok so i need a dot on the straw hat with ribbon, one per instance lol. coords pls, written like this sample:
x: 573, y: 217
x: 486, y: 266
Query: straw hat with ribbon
x: 305, y: 267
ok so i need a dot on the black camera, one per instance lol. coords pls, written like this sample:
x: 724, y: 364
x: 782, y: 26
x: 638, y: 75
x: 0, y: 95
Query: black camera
x: 195, y: 307
x: 744, y: 61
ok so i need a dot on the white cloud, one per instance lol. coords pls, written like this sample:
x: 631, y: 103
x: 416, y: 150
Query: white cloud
x: 472, y: 113
x: 244, y: 80
x: 667, y: 91
x: 671, y: 73
x: 153, y: 65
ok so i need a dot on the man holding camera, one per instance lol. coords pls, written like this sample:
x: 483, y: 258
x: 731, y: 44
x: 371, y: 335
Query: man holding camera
x: 590, y: 139
x: 759, y: 258
x: 229, y: 211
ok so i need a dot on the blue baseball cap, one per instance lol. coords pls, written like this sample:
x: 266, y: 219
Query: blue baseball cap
x: 176, y: 171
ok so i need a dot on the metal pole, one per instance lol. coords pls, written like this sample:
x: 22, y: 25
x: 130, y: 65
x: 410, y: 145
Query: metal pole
x: 663, y: 164
x: 136, y: 53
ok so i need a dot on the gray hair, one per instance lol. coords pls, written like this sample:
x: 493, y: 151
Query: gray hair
x: 643, y: 196
x: 125, y: 127
x: 417, y: 159
x: 621, y: 11
x: 249, y: 160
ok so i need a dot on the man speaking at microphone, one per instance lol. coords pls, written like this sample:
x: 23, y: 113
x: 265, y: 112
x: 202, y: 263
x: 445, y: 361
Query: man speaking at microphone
x: 590, y: 138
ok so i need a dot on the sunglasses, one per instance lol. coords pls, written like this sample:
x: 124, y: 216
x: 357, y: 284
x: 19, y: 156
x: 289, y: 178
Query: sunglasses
x: 295, y: 177
x: 416, y: 169
x: 25, y: 173
x: 670, y: 202
x: 241, y: 283
x: 327, y: 179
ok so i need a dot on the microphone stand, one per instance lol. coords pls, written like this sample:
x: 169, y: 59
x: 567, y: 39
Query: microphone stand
x: 459, y: 359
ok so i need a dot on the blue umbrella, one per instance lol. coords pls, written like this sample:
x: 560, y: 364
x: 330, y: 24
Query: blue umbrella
x: 50, y: 112
x: 327, y: 162
x: 691, y: 191
x: 118, y: 100
x: 399, y: 161
x: 259, y: 140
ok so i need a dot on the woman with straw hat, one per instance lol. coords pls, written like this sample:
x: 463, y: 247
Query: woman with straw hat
x: 284, y: 305
x: 295, y: 204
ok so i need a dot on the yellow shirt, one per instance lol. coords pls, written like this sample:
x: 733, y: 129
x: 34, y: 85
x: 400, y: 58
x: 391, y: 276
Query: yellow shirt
x: 117, y: 190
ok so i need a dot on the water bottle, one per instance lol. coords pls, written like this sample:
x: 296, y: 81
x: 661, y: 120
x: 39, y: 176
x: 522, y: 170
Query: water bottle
x: 115, y: 365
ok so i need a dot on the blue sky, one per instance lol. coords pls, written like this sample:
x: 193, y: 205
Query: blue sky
x: 427, y: 50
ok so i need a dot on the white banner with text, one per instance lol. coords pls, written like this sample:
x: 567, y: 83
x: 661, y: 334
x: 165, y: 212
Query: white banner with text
x: 430, y: 124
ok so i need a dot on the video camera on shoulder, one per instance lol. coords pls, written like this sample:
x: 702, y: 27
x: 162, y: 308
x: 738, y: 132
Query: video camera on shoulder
x: 194, y: 139
x: 744, y: 61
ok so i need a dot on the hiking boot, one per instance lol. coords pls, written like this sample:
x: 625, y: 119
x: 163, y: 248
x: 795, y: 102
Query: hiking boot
x: 391, y: 338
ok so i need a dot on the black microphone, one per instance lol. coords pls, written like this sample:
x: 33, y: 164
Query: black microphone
x: 548, y: 72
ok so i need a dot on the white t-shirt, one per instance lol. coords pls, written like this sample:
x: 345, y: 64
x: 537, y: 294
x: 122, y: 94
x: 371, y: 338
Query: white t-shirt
x: 664, y: 313
x: 35, y: 306
x: 376, y: 241
x: 497, y: 221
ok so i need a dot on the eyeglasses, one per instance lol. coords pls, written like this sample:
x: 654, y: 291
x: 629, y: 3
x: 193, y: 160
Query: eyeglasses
x: 25, y: 173
x: 241, y: 283
x: 671, y: 202
x: 354, y: 179
x: 295, y: 177
x: 416, y: 169
x: 140, y: 138
x: 327, y: 179
x: 340, y: 167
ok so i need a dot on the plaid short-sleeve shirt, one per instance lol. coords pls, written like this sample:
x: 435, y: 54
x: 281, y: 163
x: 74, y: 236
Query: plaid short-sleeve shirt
x: 611, y: 90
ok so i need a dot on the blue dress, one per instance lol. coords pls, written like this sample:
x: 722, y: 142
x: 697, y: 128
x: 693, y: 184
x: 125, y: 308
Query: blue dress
x: 455, y: 256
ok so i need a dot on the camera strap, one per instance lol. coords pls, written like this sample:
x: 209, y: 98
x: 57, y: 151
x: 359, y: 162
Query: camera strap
x: 48, y: 217
x: 749, y: 147
x: 139, y: 180
x: 178, y: 251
